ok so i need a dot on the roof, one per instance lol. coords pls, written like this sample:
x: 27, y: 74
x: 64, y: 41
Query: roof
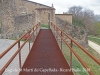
x: 63, y: 14
x: 45, y: 9
x: 37, y: 3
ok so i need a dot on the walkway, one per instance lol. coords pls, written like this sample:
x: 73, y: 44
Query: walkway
x: 4, y: 44
x: 45, y: 57
x: 94, y: 46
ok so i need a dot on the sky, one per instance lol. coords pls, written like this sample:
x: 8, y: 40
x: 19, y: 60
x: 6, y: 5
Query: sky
x: 63, y: 5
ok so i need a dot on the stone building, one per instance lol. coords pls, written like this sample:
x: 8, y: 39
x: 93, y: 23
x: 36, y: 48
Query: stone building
x: 18, y: 16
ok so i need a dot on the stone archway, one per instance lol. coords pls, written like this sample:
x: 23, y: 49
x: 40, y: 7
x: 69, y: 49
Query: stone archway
x: 45, y: 15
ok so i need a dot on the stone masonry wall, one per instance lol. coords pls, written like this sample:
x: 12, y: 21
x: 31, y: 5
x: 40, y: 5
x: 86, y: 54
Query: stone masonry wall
x: 77, y: 33
x: 65, y: 17
x: 17, y: 17
x: 23, y: 23
x: 6, y: 18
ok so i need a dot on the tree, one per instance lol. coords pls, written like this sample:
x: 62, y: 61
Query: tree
x: 83, y: 17
x: 77, y: 12
x: 88, y: 18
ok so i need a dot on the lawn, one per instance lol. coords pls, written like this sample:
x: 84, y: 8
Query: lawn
x: 94, y: 39
x: 45, y: 26
x: 76, y: 64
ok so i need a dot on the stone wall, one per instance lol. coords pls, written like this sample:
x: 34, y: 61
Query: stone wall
x: 23, y: 23
x: 77, y: 33
x: 65, y: 17
x: 18, y: 16
x: 6, y: 13
x: 45, y: 15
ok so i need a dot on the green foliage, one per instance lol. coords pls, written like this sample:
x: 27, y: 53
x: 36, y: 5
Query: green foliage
x: 82, y: 32
x: 98, y: 28
x: 76, y: 65
x: 78, y: 22
x: 91, y: 64
x: 13, y: 39
x: 82, y: 17
x: 45, y: 26
x: 95, y: 29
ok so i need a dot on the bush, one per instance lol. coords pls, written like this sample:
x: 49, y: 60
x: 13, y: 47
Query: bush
x: 82, y: 31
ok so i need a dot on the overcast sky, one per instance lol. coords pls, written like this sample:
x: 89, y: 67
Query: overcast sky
x: 63, y: 5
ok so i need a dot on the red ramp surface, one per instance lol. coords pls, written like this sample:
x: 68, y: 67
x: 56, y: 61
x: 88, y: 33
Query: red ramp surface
x: 45, y: 57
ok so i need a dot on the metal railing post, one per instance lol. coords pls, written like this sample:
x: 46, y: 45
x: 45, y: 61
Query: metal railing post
x: 56, y: 33
x: 19, y: 54
x: 36, y: 31
x: 74, y: 52
x: 61, y: 40
x: 33, y: 35
x: 71, y: 55
x: 29, y: 45
x: 29, y: 40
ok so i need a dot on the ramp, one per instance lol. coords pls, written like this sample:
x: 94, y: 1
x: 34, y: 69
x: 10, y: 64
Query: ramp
x: 45, y: 57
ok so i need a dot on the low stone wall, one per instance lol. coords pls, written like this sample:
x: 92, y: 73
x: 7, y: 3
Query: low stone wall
x: 77, y: 33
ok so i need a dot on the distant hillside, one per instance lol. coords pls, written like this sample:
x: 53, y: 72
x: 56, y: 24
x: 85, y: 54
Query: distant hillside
x: 97, y: 17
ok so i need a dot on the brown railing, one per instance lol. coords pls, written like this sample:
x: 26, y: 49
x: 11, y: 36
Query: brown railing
x: 31, y: 32
x: 59, y: 32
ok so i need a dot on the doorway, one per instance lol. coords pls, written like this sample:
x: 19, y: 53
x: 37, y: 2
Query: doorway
x: 45, y: 20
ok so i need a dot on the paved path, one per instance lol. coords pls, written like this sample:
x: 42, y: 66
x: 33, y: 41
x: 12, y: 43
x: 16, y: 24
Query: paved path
x: 5, y: 43
x: 94, y: 46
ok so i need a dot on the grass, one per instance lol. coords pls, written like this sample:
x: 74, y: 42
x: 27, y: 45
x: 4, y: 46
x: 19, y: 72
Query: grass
x: 94, y: 53
x: 94, y: 39
x: 13, y: 39
x: 91, y: 64
x: 45, y: 26
x: 23, y: 40
x: 17, y: 39
x: 76, y: 64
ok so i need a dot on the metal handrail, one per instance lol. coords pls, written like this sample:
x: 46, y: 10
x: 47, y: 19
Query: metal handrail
x: 56, y: 28
x: 31, y: 31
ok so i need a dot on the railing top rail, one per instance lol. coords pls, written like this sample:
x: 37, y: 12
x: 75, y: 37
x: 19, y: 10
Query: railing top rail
x: 7, y: 50
x: 61, y: 33
x: 31, y: 31
x: 82, y: 48
x: 72, y: 50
